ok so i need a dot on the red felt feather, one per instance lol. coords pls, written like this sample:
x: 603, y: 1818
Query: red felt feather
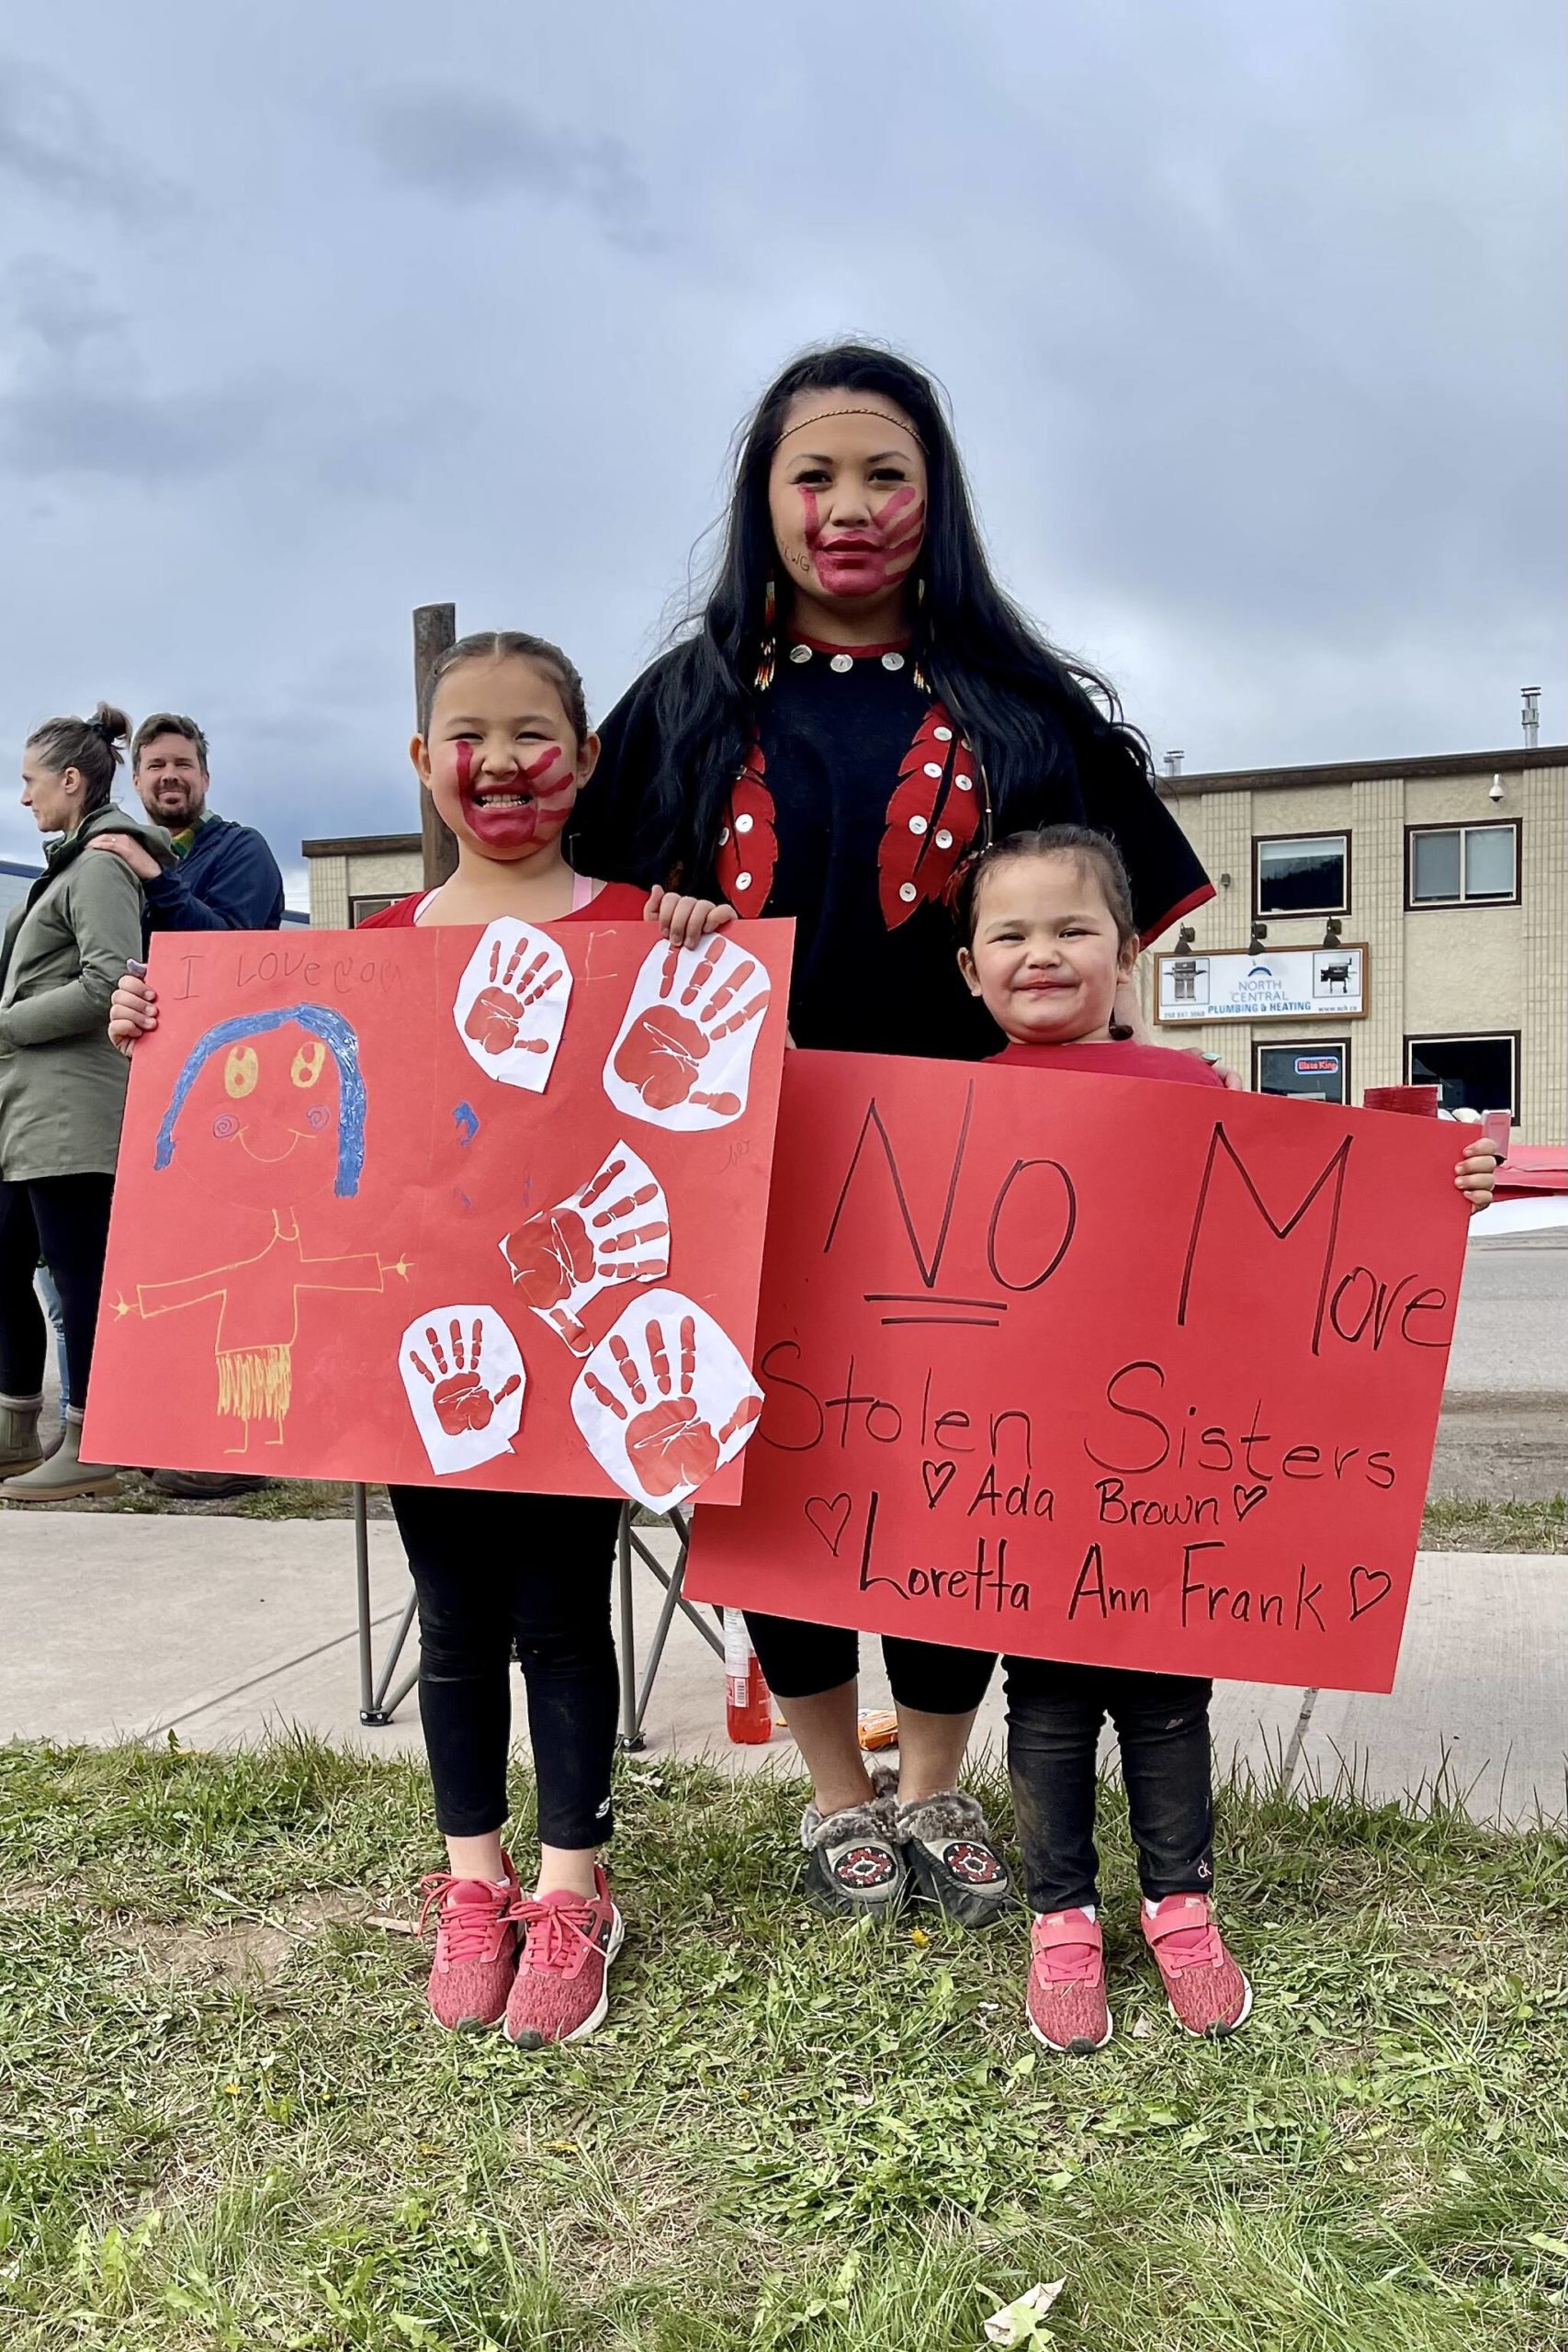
x: 933, y: 816
x: 748, y: 845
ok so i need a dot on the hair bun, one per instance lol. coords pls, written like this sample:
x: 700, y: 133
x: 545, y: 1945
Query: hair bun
x: 111, y: 723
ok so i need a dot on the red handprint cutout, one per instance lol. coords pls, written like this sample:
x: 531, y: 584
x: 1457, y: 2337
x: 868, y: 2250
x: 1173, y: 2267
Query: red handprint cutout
x: 671, y: 1445
x: 497, y: 1014
x: 615, y: 1230
x: 461, y: 1399
x: 661, y: 1053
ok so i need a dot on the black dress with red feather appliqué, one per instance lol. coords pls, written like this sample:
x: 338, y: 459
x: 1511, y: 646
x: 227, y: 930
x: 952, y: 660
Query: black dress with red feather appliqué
x: 857, y: 803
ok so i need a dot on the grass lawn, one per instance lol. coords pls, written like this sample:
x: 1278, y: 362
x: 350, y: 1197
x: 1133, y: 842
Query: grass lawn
x: 224, y: 2122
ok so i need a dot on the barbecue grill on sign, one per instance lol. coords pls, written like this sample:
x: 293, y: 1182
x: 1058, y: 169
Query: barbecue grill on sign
x: 1286, y: 984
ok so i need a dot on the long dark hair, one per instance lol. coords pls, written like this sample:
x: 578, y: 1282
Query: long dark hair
x: 1038, y: 721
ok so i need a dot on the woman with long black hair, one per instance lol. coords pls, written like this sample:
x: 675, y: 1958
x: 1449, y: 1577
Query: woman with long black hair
x: 858, y: 706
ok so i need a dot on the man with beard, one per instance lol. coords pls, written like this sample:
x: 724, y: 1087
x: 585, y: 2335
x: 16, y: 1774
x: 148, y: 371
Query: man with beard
x: 225, y: 878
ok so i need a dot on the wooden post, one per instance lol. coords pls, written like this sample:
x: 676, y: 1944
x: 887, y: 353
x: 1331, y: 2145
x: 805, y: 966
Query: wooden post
x: 435, y: 628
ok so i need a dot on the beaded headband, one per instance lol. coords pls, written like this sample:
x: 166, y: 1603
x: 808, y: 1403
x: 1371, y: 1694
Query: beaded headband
x: 823, y: 414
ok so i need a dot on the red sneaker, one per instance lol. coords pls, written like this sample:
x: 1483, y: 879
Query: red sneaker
x: 1066, y: 2002
x: 1208, y: 1993
x: 561, y: 1989
x: 476, y: 1947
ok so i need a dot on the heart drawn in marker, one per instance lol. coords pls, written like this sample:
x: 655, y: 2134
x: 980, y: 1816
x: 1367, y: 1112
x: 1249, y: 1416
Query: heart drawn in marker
x: 937, y: 1477
x: 1248, y: 1498
x: 830, y: 1517
x: 1360, y: 1604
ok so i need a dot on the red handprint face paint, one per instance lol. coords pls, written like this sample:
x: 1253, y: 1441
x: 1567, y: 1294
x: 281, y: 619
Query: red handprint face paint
x: 513, y: 812
x: 871, y: 557
x: 503, y: 756
x: 510, y: 805
x: 847, y: 497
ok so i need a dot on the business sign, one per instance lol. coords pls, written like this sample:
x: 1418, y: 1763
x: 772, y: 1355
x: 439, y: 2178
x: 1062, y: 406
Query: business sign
x: 1289, y: 984
x: 1097, y: 1369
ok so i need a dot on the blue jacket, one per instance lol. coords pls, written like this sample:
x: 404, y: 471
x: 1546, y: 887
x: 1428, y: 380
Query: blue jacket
x: 228, y: 880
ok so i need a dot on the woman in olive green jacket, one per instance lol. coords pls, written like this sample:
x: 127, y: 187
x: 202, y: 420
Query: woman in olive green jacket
x: 61, y: 1087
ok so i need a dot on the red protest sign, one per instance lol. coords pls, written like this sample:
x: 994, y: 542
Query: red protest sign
x: 1099, y: 1369
x: 446, y: 1206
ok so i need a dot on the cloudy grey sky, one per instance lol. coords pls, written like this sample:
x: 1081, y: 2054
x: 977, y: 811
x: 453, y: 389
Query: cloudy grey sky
x: 1251, y: 317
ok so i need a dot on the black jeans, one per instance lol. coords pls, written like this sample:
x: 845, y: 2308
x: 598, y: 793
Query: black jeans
x: 495, y: 1571
x: 64, y: 1220
x: 1055, y: 1713
x: 800, y: 1661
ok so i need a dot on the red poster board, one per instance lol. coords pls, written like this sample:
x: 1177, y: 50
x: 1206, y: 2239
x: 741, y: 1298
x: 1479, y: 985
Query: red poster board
x: 1102, y: 1369
x: 443, y: 1207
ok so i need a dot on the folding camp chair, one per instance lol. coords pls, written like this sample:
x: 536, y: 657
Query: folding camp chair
x: 380, y: 1695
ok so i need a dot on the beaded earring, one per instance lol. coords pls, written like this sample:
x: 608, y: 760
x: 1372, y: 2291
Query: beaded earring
x: 767, y: 651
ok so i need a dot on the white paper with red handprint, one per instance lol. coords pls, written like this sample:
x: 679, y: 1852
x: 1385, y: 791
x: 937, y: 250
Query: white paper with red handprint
x: 665, y: 1400
x: 682, y: 1055
x: 614, y: 1228
x: 464, y: 1379
x: 510, y: 1004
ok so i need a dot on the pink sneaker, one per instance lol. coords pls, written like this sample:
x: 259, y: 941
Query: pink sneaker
x: 476, y: 1947
x: 1207, y: 1991
x: 1066, y: 2003
x: 561, y: 1989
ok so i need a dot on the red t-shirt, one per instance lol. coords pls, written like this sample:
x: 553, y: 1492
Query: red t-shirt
x: 611, y: 902
x: 1120, y: 1058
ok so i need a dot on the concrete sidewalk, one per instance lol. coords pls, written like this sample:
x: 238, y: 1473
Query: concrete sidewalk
x: 223, y: 1629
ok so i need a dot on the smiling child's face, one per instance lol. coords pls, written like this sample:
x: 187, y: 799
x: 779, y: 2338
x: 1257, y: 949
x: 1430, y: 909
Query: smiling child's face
x: 271, y: 1106
x: 1045, y: 957
x: 503, y: 761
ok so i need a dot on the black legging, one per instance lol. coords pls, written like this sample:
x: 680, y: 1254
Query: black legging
x: 1055, y: 1713
x: 64, y: 1220
x: 496, y: 1570
x: 801, y: 1661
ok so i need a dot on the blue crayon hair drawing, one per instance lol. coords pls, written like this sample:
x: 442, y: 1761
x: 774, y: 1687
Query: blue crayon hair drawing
x: 344, y: 1046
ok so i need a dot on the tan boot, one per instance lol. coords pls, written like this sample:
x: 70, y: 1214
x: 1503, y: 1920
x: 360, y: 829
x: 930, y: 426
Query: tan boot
x: 64, y: 1477
x: 19, y: 1447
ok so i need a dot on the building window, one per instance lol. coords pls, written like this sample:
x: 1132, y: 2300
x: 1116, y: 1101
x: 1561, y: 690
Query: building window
x: 1302, y: 874
x: 1470, y: 1073
x: 1311, y: 1070
x: 359, y: 908
x: 1460, y: 865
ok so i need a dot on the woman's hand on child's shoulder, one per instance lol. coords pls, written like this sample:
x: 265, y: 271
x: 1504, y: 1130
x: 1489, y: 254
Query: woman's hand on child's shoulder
x: 134, y: 1009
x: 1475, y: 1172
x: 682, y: 920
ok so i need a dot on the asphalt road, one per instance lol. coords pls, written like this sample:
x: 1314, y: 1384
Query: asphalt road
x: 1504, y: 1434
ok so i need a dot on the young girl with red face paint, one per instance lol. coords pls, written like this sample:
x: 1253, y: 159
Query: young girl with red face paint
x: 1048, y: 931
x: 503, y: 748
x: 858, y: 706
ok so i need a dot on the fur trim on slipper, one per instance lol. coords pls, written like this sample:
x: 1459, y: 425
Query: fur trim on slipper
x: 950, y: 1814
x: 871, y: 1822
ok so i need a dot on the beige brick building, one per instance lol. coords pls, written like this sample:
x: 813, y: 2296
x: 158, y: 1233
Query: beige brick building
x: 1451, y: 873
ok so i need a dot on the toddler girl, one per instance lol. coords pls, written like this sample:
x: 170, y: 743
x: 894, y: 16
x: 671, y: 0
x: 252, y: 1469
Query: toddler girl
x: 1047, y: 927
